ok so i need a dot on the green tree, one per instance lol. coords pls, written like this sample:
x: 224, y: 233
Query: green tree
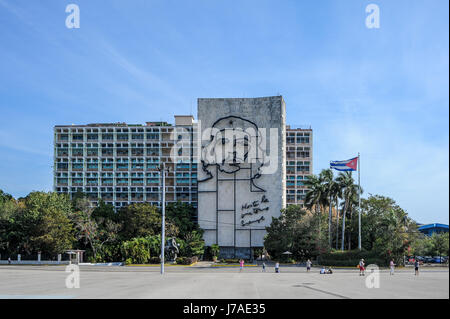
x: 422, y: 246
x: 42, y: 224
x: 374, y: 208
x: 316, y: 199
x: 194, y: 244
x: 5, y: 197
x: 183, y: 216
x: 350, y: 195
x: 136, y: 251
x: 94, y: 232
x: 329, y: 184
x: 154, y: 244
x: 8, y: 210
x: 387, y: 229
x: 104, y: 212
x: 295, y: 230
x: 336, y: 194
x: 440, y: 244
x: 393, y: 233
x: 142, y: 220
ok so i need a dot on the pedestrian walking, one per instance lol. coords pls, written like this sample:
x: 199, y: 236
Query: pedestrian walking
x: 264, y: 267
x: 277, y: 267
x: 9, y: 260
x: 361, y: 267
x: 391, y: 266
x: 416, y: 268
x: 241, y: 265
x: 308, y: 265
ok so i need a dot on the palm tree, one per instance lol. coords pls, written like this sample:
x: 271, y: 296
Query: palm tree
x: 352, y: 203
x: 336, y: 194
x: 316, y: 197
x: 349, y: 191
x: 329, y: 184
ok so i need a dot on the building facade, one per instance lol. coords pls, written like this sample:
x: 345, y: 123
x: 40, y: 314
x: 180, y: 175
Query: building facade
x: 119, y: 163
x: 430, y: 229
x: 241, y: 177
x: 299, y: 156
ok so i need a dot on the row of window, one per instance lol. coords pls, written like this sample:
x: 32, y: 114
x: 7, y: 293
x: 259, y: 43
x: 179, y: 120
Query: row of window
x: 117, y: 130
x: 298, y: 140
x: 301, y: 177
x: 118, y: 137
x: 126, y: 174
x: 117, y: 181
x: 127, y: 189
x: 108, y: 145
x: 293, y: 183
x: 291, y: 198
x: 296, y: 191
x: 302, y: 154
x: 298, y: 133
x: 298, y: 163
x: 121, y: 152
x: 111, y: 160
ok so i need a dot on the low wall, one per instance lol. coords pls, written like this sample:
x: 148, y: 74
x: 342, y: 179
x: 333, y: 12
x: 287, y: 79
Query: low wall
x: 35, y: 262
x: 102, y: 264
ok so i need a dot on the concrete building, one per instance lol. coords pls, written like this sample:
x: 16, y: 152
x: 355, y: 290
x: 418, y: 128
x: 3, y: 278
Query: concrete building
x: 119, y: 162
x: 430, y: 229
x: 241, y: 178
x: 299, y: 153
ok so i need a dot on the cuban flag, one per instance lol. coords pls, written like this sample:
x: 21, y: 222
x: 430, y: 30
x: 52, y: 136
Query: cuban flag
x: 348, y: 165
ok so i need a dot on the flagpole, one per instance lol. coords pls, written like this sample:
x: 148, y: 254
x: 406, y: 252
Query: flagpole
x: 359, y: 202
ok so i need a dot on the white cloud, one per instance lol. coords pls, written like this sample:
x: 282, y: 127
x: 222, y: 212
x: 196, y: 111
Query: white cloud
x: 398, y: 162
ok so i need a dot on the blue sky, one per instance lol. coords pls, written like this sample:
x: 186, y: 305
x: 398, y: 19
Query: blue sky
x: 381, y: 92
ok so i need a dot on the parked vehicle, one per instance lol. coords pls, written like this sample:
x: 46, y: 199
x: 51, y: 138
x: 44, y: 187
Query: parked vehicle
x: 428, y: 259
x: 440, y: 259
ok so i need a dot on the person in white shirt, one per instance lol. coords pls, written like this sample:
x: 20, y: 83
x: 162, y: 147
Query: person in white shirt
x: 391, y: 266
x: 361, y: 267
x: 308, y: 265
x: 416, y: 268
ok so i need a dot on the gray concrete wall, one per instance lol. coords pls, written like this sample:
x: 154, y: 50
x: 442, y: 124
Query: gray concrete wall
x: 35, y: 262
x: 221, y: 201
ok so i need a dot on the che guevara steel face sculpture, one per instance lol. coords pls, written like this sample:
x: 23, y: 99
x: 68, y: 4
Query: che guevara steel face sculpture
x: 234, y: 145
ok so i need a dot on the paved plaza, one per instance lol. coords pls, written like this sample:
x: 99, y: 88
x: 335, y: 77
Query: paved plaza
x: 218, y: 282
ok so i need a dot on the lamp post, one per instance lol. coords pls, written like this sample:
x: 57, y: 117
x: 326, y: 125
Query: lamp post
x: 162, y: 169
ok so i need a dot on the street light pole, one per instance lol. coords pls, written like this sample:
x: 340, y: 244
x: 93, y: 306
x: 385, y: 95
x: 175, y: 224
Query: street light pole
x: 163, y: 222
x: 359, y: 202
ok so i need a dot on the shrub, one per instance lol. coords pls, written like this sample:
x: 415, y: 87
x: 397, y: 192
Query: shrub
x: 154, y: 260
x: 194, y: 244
x: 350, y: 258
x: 110, y: 252
x: 233, y: 260
x: 154, y: 244
x: 186, y: 260
x: 136, y: 251
x: 215, y: 250
x: 257, y: 252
